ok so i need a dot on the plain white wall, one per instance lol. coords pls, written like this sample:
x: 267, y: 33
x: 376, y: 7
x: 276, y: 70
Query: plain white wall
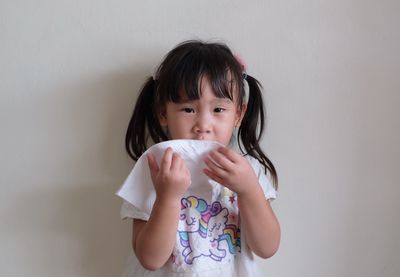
x: 69, y: 75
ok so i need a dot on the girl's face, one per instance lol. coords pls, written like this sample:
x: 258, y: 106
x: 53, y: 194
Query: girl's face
x: 208, y: 118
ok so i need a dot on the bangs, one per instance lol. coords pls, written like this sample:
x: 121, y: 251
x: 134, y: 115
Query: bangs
x: 181, y: 73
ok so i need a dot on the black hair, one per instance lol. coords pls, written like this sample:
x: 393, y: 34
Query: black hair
x: 182, y: 68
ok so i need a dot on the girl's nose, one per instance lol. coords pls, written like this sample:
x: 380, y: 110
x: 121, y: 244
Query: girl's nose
x: 203, y: 124
x: 200, y: 130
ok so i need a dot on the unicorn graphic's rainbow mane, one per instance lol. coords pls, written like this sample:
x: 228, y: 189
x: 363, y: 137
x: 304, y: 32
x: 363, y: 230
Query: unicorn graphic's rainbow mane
x: 193, y: 202
x: 232, y: 236
x: 215, y: 208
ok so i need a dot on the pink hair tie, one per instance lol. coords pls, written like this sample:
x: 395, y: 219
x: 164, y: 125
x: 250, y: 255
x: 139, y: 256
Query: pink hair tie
x: 241, y: 61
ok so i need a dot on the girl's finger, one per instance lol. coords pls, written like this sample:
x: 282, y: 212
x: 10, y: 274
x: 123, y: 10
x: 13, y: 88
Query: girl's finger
x: 176, y: 161
x: 153, y: 166
x: 220, y: 159
x: 228, y: 153
x: 214, y: 168
x: 167, y: 159
x: 213, y: 176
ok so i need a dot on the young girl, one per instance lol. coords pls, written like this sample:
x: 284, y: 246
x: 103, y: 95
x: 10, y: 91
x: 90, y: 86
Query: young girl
x: 198, y: 93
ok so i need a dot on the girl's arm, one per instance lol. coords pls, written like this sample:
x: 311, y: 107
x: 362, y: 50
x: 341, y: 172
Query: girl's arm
x: 232, y: 170
x: 259, y: 222
x: 154, y: 240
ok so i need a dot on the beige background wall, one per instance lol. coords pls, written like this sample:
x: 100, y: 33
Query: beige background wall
x: 69, y: 74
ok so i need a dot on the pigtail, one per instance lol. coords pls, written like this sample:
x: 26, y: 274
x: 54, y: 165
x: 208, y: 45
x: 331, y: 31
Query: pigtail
x: 250, y: 133
x: 144, y: 122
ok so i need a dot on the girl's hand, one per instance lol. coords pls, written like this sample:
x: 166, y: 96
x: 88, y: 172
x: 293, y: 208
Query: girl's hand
x: 172, y: 178
x: 231, y: 170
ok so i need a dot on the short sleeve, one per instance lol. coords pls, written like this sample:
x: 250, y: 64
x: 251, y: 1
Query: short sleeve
x: 130, y: 211
x: 266, y: 185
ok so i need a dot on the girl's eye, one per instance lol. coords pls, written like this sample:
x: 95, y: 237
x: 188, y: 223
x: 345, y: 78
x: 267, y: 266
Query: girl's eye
x: 188, y: 110
x: 219, y: 110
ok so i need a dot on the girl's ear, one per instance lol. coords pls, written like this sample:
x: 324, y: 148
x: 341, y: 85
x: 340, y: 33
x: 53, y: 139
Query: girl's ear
x: 240, y: 114
x: 162, y: 118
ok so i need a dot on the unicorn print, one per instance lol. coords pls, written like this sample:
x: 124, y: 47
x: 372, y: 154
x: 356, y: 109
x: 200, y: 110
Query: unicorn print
x: 204, y: 232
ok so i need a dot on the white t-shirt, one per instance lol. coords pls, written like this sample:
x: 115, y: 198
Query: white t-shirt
x: 209, y: 241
